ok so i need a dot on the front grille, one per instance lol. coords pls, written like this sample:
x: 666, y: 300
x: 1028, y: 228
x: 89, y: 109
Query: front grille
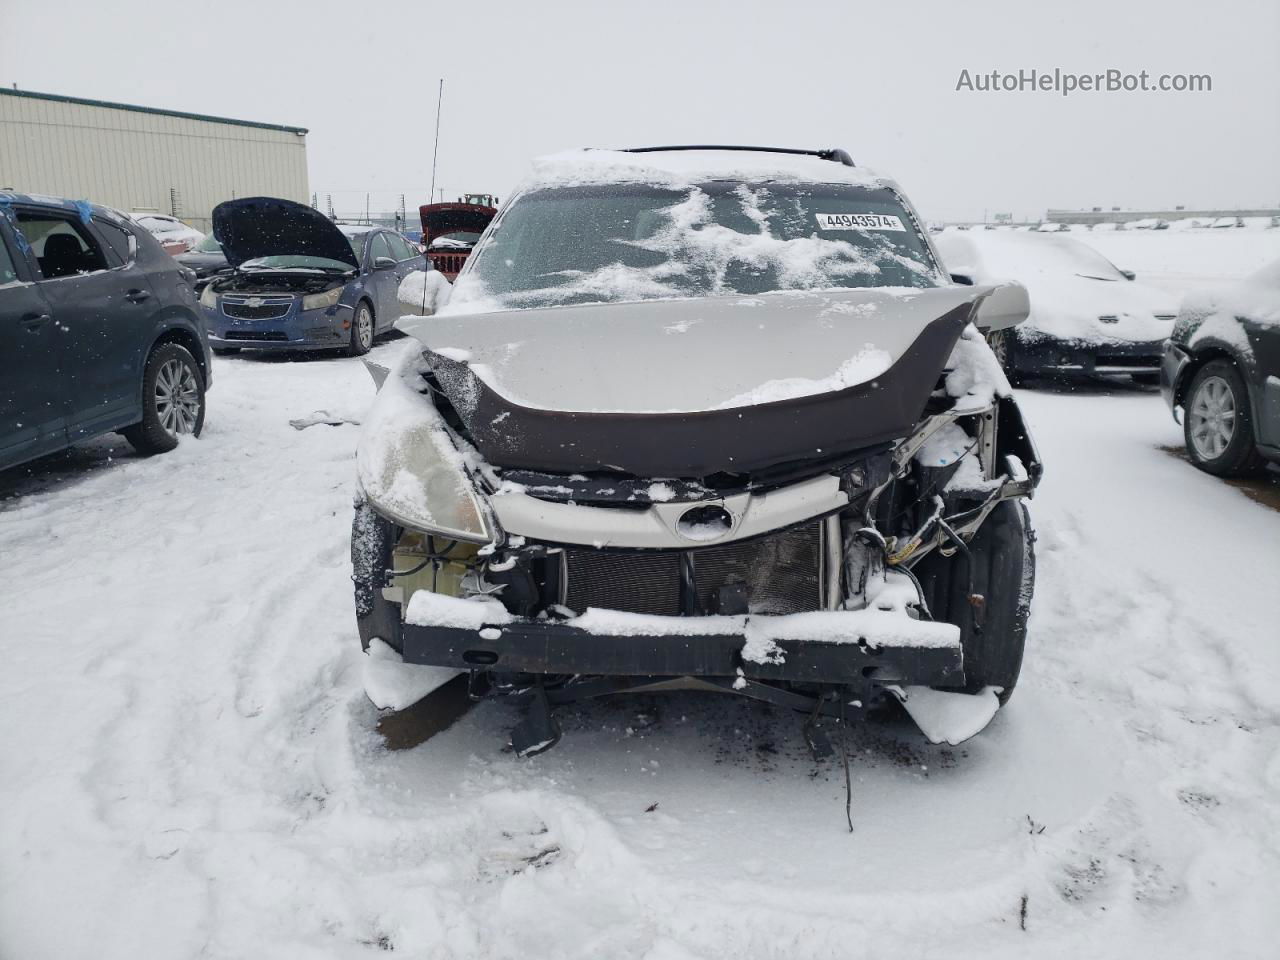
x: 256, y: 308
x: 782, y: 574
x: 448, y: 263
x: 269, y: 336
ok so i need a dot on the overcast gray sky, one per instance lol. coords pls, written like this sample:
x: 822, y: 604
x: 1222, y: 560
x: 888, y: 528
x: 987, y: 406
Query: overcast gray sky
x: 522, y: 79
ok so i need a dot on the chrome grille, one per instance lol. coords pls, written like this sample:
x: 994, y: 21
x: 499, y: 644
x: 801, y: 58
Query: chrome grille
x: 782, y: 574
x: 255, y: 308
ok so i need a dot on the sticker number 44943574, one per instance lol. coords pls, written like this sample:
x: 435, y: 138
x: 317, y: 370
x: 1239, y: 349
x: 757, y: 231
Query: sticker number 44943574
x: 858, y: 221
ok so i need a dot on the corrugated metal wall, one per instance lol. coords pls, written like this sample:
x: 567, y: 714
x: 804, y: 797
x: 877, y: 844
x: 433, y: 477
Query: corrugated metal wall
x: 132, y: 160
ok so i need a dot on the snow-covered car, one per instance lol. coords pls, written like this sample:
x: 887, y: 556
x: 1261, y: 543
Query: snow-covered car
x: 298, y: 281
x: 1221, y: 371
x: 1087, y: 318
x: 174, y: 235
x: 708, y: 418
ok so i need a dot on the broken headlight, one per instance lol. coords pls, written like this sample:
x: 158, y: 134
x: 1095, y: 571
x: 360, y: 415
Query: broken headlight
x: 412, y: 473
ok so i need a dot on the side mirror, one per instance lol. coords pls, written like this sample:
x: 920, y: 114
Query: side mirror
x: 1007, y: 305
x: 963, y: 279
x: 381, y: 263
x: 1128, y: 274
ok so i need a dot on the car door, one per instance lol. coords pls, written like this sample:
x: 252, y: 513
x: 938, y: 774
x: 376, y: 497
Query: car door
x: 383, y: 273
x: 408, y: 259
x: 32, y: 403
x: 103, y: 308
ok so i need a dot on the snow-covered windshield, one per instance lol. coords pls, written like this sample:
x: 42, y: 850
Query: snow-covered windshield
x: 1013, y: 255
x: 209, y: 244
x: 635, y: 241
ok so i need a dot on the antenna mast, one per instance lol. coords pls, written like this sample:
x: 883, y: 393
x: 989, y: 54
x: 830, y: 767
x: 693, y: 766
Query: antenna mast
x: 436, y: 149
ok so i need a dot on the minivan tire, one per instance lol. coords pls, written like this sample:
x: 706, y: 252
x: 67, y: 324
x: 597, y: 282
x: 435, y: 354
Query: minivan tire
x: 172, y: 400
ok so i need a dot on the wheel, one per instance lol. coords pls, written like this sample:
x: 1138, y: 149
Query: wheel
x: 1003, y: 344
x: 372, y: 539
x: 1217, y: 421
x: 361, y: 330
x: 1004, y: 574
x: 224, y: 351
x: 172, y: 400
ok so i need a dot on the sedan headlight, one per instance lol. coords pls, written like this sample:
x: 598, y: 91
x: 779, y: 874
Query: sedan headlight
x: 208, y: 298
x: 411, y: 471
x: 318, y: 301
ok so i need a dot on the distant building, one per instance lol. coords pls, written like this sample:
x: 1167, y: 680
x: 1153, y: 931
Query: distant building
x: 145, y: 159
x: 1116, y: 215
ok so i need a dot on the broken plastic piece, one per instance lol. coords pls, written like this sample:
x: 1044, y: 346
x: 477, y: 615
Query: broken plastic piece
x: 947, y: 717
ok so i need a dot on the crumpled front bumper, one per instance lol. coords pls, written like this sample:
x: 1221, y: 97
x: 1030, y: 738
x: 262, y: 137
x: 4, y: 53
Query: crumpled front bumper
x: 757, y: 647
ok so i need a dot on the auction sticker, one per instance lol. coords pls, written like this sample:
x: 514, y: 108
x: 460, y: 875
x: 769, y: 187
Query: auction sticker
x: 858, y: 221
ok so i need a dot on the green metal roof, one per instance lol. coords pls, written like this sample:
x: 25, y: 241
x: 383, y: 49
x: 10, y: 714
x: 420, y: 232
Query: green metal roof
x: 58, y: 98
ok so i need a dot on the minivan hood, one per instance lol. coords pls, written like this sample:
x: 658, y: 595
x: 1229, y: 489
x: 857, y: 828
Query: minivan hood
x: 255, y: 227
x: 689, y: 388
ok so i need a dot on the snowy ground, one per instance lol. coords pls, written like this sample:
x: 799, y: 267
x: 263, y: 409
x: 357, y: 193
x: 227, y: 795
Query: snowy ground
x: 188, y: 765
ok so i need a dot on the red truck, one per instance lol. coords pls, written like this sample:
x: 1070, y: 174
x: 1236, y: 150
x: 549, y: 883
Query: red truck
x: 450, y: 230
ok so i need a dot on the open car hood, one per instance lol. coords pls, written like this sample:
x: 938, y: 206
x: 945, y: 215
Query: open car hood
x: 255, y: 227
x: 444, y: 218
x: 691, y: 388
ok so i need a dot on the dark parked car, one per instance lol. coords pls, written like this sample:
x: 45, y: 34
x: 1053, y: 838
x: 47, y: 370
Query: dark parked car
x: 1222, y: 369
x: 206, y: 259
x: 300, y: 281
x: 99, y: 332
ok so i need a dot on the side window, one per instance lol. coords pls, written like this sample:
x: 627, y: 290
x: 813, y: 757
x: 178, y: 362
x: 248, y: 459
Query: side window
x: 402, y: 249
x: 7, y: 272
x: 381, y: 248
x: 62, y: 246
x: 117, y: 239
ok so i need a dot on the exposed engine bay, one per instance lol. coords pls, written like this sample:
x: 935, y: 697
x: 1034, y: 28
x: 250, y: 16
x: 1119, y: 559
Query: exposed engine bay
x: 872, y: 567
x: 277, y: 281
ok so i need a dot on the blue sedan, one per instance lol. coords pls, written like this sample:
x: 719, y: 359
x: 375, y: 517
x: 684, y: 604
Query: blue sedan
x: 302, y: 282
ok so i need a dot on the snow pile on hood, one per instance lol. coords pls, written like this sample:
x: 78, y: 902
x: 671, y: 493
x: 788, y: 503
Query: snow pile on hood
x: 867, y: 364
x: 425, y: 292
x: 686, y: 167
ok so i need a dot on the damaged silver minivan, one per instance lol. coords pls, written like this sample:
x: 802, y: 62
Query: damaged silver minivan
x: 708, y: 418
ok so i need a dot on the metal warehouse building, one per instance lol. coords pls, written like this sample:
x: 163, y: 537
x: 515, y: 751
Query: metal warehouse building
x: 145, y: 159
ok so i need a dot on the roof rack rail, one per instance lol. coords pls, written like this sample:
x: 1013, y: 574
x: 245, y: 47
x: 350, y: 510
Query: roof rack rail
x: 834, y: 153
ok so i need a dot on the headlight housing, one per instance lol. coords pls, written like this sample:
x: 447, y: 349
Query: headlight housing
x: 412, y: 472
x: 208, y: 297
x: 318, y: 301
